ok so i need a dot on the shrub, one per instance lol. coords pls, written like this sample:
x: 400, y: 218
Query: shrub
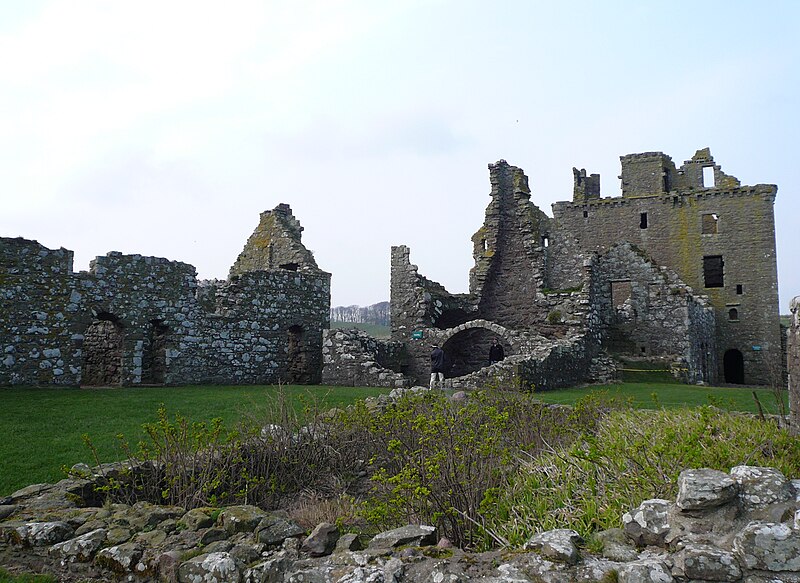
x: 273, y: 453
x: 634, y: 455
x: 440, y: 462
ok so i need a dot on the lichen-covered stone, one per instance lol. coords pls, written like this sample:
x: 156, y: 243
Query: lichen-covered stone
x: 121, y: 558
x: 39, y: 534
x: 648, y: 524
x: 80, y: 548
x: 210, y: 568
x: 760, y: 487
x: 768, y: 546
x: 197, y: 518
x: 704, y: 488
x: 411, y: 534
x: 645, y: 571
x: 273, y: 530
x: 243, y: 518
x: 707, y: 563
x: 557, y: 545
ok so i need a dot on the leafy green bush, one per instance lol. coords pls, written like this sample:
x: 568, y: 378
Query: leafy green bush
x: 634, y: 455
x: 271, y: 454
x: 436, y: 461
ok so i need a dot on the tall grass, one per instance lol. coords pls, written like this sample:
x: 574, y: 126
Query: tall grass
x: 634, y: 455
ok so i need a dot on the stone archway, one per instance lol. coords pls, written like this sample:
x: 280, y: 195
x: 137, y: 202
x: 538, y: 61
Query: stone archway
x: 733, y: 366
x: 103, y: 348
x: 466, y: 347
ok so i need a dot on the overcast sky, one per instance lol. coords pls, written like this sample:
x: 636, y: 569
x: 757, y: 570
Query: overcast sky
x: 164, y: 128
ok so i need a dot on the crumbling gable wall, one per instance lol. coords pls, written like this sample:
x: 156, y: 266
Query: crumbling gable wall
x: 695, y: 230
x: 648, y: 311
x: 275, y: 244
x: 145, y: 320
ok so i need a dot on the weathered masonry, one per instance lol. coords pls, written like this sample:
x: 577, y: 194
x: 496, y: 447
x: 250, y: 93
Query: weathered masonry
x: 133, y: 320
x: 680, y: 268
x: 715, y: 234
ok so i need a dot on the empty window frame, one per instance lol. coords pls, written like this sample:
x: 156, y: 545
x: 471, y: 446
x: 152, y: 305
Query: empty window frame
x: 710, y: 224
x: 739, y: 289
x: 620, y: 292
x: 708, y: 177
x: 733, y: 315
x: 713, y: 271
x: 642, y: 220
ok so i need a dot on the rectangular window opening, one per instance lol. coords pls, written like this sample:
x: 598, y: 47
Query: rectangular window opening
x: 620, y: 292
x: 739, y: 289
x: 708, y: 177
x: 713, y: 270
x: 710, y: 223
x: 643, y: 221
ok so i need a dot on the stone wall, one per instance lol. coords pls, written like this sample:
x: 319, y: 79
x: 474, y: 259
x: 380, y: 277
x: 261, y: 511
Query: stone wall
x: 509, y: 252
x: 353, y: 358
x: 742, y: 525
x: 677, y: 228
x: 134, y: 320
x: 793, y: 364
x: 648, y: 311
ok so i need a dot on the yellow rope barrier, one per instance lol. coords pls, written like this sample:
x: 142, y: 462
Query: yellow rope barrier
x: 651, y: 369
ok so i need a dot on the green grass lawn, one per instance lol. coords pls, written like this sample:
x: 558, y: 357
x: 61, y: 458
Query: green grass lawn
x: 663, y: 394
x: 375, y: 330
x: 41, y: 428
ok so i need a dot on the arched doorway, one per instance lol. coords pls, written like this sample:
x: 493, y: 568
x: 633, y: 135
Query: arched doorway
x: 102, y: 352
x: 154, y: 353
x: 297, y: 371
x: 733, y: 366
x: 468, y: 351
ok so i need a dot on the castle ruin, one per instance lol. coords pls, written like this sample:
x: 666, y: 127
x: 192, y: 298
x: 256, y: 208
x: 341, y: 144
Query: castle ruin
x: 134, y: 320
x: 681, y: 267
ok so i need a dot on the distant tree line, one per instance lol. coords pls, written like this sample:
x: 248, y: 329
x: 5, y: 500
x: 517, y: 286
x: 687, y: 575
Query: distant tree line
x: 374, y: 314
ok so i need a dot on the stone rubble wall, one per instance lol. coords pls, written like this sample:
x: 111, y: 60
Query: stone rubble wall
x: 217, y: 332
x: 662, y: 316
x: 793, y: 363
x: 353, y: 358
x: 741, y: 526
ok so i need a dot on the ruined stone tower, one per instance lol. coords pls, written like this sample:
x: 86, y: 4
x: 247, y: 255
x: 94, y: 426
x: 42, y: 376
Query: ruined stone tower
x: 716, y: 235
x: 681, y: 267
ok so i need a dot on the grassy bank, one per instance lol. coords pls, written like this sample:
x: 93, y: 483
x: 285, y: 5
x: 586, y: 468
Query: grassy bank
x: 656, y: 395
x: 42, y: 427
